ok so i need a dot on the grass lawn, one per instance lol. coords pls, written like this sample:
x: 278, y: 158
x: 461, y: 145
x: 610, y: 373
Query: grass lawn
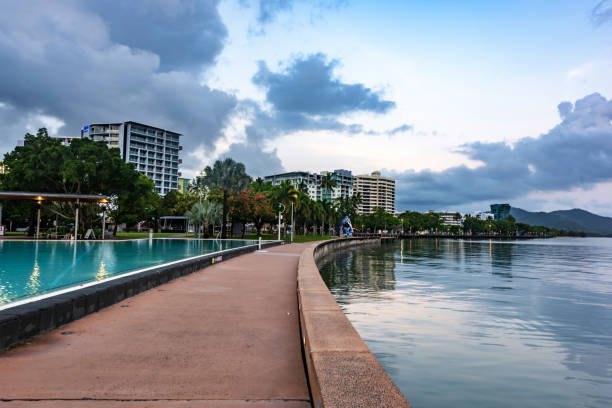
x: 296, y: 238
x: 146, y: 234
x: 14, y: 233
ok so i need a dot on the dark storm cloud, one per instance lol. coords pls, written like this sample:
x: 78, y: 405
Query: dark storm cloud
x: 602, y: 12
x: 184, y: 33
x: 306, y: 96
x: 308, y: 86
x: 258, y: 162
x: 71, y: 61
x: 575, y: 153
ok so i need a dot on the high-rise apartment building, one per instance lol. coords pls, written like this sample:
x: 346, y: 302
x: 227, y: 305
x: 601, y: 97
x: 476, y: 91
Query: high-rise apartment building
x: 344, y: 184
x: 376, y: 191
x: 154, y: 152
x: 297, y: 178
x: 312, y: 181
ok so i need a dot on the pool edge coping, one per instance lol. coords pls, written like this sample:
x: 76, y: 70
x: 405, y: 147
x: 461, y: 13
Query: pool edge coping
x: 77, y: 286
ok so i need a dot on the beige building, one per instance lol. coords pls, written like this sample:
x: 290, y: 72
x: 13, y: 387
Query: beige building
x: 376, y: 191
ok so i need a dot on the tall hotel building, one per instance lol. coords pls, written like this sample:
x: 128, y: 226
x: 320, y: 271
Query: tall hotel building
x: 154, y: 152
x: 376, y: 191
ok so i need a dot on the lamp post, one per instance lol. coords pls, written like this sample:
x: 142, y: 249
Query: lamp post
x: 76, y: 221
x: 279, y: 217
x: 291, y: 221
x: 104, y: 202
x: 38, y: 205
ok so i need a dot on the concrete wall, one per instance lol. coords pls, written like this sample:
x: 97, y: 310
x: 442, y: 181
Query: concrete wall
x: 19, y: 323
x: 342, y: 371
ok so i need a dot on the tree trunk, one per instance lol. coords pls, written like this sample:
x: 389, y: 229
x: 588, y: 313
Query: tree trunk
x: 115, y: 226
x: 223, y: 229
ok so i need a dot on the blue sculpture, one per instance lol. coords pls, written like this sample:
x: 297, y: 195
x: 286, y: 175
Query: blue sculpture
x: 345, y: 232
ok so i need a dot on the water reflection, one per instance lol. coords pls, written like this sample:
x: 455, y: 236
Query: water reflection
x: 34, y: 279
x: 102, y: 273
x: 367, y: 271
x: 489, y: 323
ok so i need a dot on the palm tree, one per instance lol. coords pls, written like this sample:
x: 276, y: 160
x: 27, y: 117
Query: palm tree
x: 318, y: 214
x: 302, y: 186
x: 329, y: 214
x: 203, y: 214
x: 305, y: 210
x: 228, y: 176
x: 327, y: 183
x: 356, y: 201
x: 286, y: 194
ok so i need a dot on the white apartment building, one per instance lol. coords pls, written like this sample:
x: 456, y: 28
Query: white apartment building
x: 296, y: 178
x: 376, y: 191
x: 344, y: 183
x: 484, y: 215
x: 448, y: 218
x: 154, y: 152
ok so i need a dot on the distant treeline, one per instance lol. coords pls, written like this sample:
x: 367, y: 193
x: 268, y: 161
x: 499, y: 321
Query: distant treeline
x: 416, y: 222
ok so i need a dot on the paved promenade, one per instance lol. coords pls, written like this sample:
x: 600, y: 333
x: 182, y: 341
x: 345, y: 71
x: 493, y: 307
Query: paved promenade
x: 227, y: 336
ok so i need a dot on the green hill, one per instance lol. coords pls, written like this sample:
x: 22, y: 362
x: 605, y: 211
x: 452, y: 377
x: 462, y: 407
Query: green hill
x: 569, y: 220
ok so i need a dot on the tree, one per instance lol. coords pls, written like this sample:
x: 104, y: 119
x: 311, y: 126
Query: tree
x: 229, y: 177
x: 328, y: 183
x: 135, y: 204
x: 251, y: 206
x: 329, y: 214
x: 202, y: 215
x: 184, y: 202
x: 303, y: 187
x: 44, y: 164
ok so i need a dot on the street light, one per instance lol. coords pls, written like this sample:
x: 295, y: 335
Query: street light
x: 292, y: 221
x: 279, y: 217
x: 38, y: 204
x: 104, y: 202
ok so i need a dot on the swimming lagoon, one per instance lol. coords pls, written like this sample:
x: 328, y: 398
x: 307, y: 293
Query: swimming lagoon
x: 33, y: 268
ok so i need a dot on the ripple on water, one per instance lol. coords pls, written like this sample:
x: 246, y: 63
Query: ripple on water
x: 480, y: 324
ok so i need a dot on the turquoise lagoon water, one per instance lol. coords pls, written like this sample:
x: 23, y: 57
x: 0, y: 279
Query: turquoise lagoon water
x: 485, y: 324
x: 31, y: 268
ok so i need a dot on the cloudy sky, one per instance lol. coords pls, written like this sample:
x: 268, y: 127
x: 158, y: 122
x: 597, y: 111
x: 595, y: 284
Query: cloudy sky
x: 464, y: 103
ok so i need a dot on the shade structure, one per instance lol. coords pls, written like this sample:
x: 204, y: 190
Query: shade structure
x: 28, y: 195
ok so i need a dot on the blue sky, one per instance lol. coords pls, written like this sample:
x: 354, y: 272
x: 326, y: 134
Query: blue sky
x: 471, y: 88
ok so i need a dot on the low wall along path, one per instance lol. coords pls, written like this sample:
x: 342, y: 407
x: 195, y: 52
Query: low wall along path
x: 342, y: 371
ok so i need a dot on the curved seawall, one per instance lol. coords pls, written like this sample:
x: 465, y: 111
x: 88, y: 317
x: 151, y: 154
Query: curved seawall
x: 341, y: 369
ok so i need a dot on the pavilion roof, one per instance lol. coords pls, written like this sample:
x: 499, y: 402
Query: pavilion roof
x: 28, y: 195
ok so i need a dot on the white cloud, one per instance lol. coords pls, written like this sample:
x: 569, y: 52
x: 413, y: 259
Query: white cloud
x: 581, y: 72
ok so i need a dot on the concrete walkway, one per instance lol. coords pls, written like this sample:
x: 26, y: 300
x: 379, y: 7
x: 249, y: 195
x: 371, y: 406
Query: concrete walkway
x: 227, y: 336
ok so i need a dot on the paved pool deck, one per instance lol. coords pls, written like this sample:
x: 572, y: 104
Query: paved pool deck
x: 227, y: 336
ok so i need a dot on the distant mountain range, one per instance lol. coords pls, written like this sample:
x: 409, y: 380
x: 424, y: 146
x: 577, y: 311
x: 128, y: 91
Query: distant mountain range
x: 569, y: 220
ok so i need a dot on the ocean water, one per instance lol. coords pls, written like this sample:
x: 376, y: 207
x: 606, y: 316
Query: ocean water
x: 31, y: 268
x: 482, y: 323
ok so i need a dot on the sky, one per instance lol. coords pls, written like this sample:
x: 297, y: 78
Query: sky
x: 463, y: 103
